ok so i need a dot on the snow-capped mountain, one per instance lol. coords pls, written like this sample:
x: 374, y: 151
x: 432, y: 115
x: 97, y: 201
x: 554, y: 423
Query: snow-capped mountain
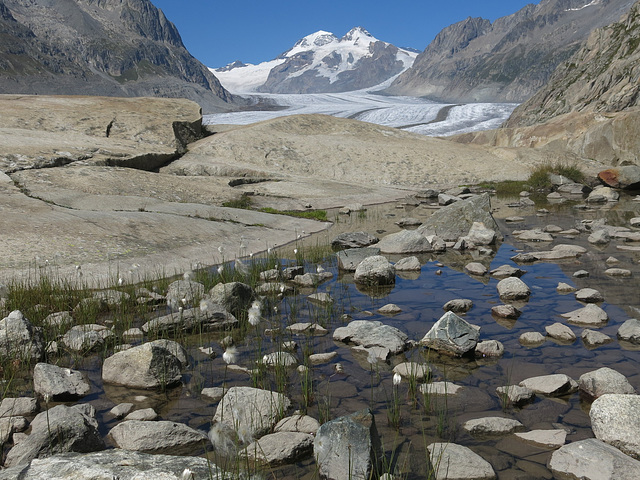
x: 321, y: 63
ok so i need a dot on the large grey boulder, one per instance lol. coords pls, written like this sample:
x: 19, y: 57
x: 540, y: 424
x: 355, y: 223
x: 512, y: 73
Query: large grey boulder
x: 456, y: 220
x: 349, y: 259
x: 375, y: 270
x: 592, y: 459
x: 604, y: 380
x: 512, y: 288
x: 161, y: 437
x: 452, y: 335
x: 184, y: 293
x: 627, y: 176
x: 551, y: 385
x: 57, y: 430
x: 405, y: 241
x: 629, y: 331
x: 353, y: 240
x: 615, y: 419
x: 113, y: 464
x: 372, y: 334
x: 348, y: 448
x: 450, y: 461
x: 19, y: 338
x: 280, y: 448
x: 148, y: 366
x: 209, y: 316
x: 86, y: 338
x: 589, y: 315
x: 59, y: 384
x: 250, y: 412
x: 235, y: 297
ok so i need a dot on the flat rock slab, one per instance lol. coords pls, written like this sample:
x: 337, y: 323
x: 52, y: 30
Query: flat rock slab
x: 161, y: 437
x: 492, y: 426
x: 280, y: 448
x: 551, y: 385
x: 450, y: 461
x: 440, y: 388
x: 589, y: 315
x: 372, y: 334
x: 544, y: 438
x: 593, y: 459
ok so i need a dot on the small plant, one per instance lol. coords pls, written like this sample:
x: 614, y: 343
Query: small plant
x: 539, y: 177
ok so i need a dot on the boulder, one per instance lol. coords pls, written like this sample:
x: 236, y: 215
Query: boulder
x: 565, y: 288
x: 353, y: 240
x: 184, y: 293
x: 349, y: 259
x: 59, y: 384
x: 489, y: 348
x: 506, y: 311
x: 405, y: 241
x: 603, y: 194
x: 440, y: 388
x: 20, y: 339
x: 505, y: 271
x: 113, y: 464
x: 60, y: 429
x: 515, y: 395
x: 560, y: 332
x: 408, y: 222
x: 348, y: 448
x: 445, y: 199
x: 321, y: 298
x: 390, y: 309
x: 209, y: 316
x: 492, y: 426
x: 11, y: 425
x: 458, y: 305
x: 18, y: 407
x: 235, y: 297
x: 280, y: 448
x: 452, y: 335
x: 475, y: 268
x: 86, y: 338
x: 604, y: 380
x: 589, y: 315
x: 512, y: 288
x: 143, y: 415
x: 535, y: 235
x: 408, y: 264
x: 627, y: 176
x: 593, y: 339
x: 615, y: 419
x: 551, y: 385
x: 589, y: 295
x: 372, y: 334
x: 531, y: 339
x: 592, y: 459
x: 450, y: 461
x: 250, y: 412
x: 618, y: 272
x: 456, y: 220
x: 560, y: 252
x: 375, y: 270
x: 599, y: 237
x: 312, y: 279
x: 298, y: 423
x: 479, y: 234
x: 279, y: 359
x: 147, y: 366
x: 413, y: 371
x: 629, y: 331
x: 161, y: 437
x: 544, y: 438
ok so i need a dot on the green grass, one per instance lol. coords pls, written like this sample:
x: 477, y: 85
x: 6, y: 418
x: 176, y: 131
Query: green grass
x: 245, y: 202
x: 538, y: 179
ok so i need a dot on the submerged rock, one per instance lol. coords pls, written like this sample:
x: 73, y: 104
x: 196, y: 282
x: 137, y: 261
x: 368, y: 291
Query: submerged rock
x: 492, y: 426
x: 450, y: 460
x: 551, y: 385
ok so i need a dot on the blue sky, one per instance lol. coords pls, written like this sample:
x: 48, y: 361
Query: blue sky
x: 220, y: 32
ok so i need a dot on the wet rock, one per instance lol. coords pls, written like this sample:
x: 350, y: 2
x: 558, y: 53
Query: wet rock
x: 592, y: 339
x: 589, y: 295
x: 599, y: 237
x: 479, y: 234
x: 531, y: 338
x: 455, y: 461
x: 445, y: 199
x: 11, y: 425
x: 390, y: 309
x: 408, y: 264
x: 320, y: 358
x: 112, y: 464
x: 489, y: 348
x: 630, y: 331
x: 298, y: 423
x: 372, y: 334
x: 86, y: 338
x: 289, y: 273
x: 589, y: 315
x: 183, y: 293
x: 515, y: 395
x: 635, y: 222
x: 121, y: 410
x: 18, y: 407
x: 348, y: 447
x: 409, y: 222
x: 560, y: 332
x: 405, y: 241
x: 544, y: 438
x: 19, y: 338
x: 162, y: 437
x: 58, y: 319
x: 565, y: 288
x: 353, y: 240
x: 475, y: 268
x: 280, y: 448
x: 458, y: 305
x: 213, y: 393
x: 143, y: 415
x: 535, y: 235
x: 506, y: 311
x: 505, y: 271
x: 615, y: 419
x: 513, y: 288
x: 604, y: 380
x: 593, y: 459
x: 76, y: 430
x: 279, y: 359
x: 526, y: 202
x: 627, y: 176
x: 551, y: 385
x: 312, y: 279
x: 321, y: 298
x: 492, y: 426
x: 618, y: 272
x: 560, y: 252
x: 440, y: 388
x: 307, y: 327
x: 209, y: 316
x: 603, y: 195
x: 235, y: 297
x: 146, y: 366
x: 349, y: 259
x: 413, y: 371
x: 251, y: 412
x: 580, y: 274
x: 59, y: 384
x: 456, y: 220
x: 375, y: 270
x: 452, y: 335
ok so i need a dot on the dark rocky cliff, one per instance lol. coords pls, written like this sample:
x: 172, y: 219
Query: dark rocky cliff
x: 100, y: 47
x: 509, y: 60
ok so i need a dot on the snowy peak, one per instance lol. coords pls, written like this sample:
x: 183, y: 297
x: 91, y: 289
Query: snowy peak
x: 321, y: 63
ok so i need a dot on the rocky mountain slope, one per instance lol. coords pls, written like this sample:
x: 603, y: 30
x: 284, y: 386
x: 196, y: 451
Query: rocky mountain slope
x: 603, y: 76
x: 100, y: 47
x: 321, y: 63
x: 507, y: 60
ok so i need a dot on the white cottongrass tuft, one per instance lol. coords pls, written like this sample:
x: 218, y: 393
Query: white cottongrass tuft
x: 187, y: 474
x: 220, y: 270
x: 230, y: 355
x: 254, y: 316
x: 397, y: 379
x: 220, y: 249
x: 319, y: 269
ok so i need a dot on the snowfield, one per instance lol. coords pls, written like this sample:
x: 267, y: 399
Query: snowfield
x: 408, y: 113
